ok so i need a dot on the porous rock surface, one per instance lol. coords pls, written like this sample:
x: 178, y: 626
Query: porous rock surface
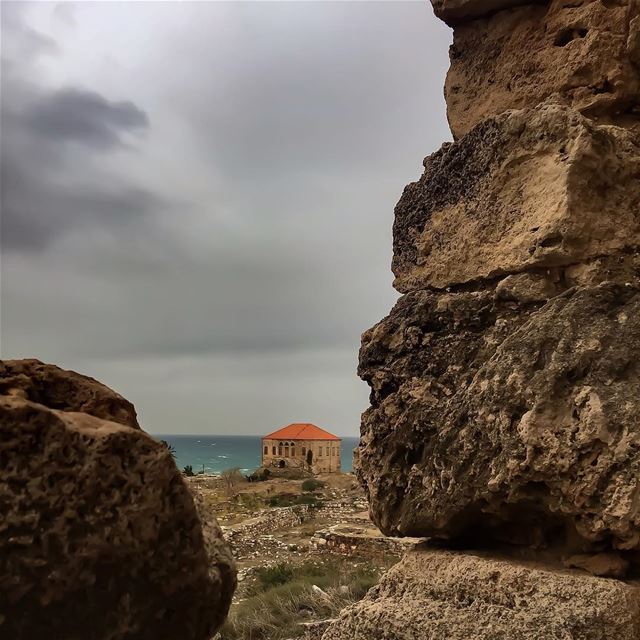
x: 505, y: 385
x: 503, y: 420
x: 452, y: 596
x: 505, y: 382
x: 99, y: 536
x: 583, y: 54
x: 64, y: 390
x: 541, y: 187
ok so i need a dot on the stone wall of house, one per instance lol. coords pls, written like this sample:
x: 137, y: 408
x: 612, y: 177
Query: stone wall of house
x: 293, y: 453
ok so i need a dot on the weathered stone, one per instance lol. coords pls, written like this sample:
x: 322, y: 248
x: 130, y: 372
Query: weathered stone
x: 99, y: 536
x: 499, y: 421
x: 454, y: 12
x: 452, y: 596
x: 611, y: 565
x: 582, y: 54
x: 537, y: 188
x: 64, y: 390
x: 530, y: 287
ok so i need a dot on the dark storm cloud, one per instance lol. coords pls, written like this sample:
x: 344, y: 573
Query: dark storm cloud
x: 48, y: 187
x: 84, y: 116
x: 35, y: 212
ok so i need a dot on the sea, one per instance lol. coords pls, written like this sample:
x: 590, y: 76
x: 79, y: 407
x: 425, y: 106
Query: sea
x: 214, y: 454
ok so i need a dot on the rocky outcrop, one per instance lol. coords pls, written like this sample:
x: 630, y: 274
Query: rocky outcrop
x: 537, y: 188
x: 585, y: 55
x: 64, y: 390
x: 512, y: 421
x: 505, y: 382
x: 452, y: 596
x: 99, y: 536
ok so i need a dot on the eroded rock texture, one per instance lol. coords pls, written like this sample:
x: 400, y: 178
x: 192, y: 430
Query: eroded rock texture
x: 64, y: 390
x: 451, y: 596
x: 541, y: 187
x: 505, y: 420
x: 583, y: 54
x: 99, y: 536
x: 505, y: 383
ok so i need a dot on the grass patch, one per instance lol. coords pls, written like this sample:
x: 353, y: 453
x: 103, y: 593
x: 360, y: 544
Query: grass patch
x: 312, y: 485
x: 283, y: 596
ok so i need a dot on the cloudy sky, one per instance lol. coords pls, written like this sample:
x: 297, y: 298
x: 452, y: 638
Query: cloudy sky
x: 197, y: 198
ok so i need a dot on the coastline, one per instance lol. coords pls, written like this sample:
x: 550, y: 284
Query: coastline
x: 214, y: 453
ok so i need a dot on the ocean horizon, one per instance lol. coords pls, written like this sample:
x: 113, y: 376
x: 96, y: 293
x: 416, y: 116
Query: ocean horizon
x: 215, y: 453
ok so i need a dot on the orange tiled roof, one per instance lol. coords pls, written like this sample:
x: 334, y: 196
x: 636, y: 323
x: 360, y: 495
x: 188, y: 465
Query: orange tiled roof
x: 301, y: 431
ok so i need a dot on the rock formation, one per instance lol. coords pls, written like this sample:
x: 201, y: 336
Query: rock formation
x: 510, y: 54
x: 99, y: 535
x: 505, y: 382
x: 454, y: 596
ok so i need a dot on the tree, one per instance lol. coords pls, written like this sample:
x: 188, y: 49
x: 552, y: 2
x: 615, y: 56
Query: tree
x: 169, y: 447
x: 231, y: 479
x: 188, y: 471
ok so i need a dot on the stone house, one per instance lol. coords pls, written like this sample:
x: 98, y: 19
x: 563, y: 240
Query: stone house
x: 303, y: 446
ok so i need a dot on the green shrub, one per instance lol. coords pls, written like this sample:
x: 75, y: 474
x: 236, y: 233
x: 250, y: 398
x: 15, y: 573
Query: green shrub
x: 188, y: 471
x: 270, y: 577
x: 259, y: 475
x: 312, y: 485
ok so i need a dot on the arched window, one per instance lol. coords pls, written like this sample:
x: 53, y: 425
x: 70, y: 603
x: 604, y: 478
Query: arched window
x: 266, y: 450
x: 293, y: 451
x: 319, y: 452
x: 279, y: 448
x: 304, y: 451
x: 286, y: 450
x: 273, y: 450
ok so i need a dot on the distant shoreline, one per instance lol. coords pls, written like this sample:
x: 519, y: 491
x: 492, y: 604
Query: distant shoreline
x: 214, y: 453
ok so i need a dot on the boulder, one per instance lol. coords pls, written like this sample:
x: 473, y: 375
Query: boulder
x: 580, y: 54
x: 535, y: 188
x: 64, y: 390
x: 99, y: 536
x: 493, y: 421
x: 443, y: 595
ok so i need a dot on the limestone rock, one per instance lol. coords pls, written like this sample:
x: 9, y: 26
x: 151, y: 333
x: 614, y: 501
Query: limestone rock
x: 611, y: 565
x: 99, y: 536
x: 581, y: 54
x: 64, y: 390
x: 530, y: 287
x: 453, y: 596
x: 536, y: 188
x: 494, y: 420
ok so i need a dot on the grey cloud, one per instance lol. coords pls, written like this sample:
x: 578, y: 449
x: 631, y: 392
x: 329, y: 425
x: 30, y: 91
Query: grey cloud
x: 21, y: 44
x: 85, y: 117
x: 50, y: 188
x: 36, y: 212
x: 249, y: 233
